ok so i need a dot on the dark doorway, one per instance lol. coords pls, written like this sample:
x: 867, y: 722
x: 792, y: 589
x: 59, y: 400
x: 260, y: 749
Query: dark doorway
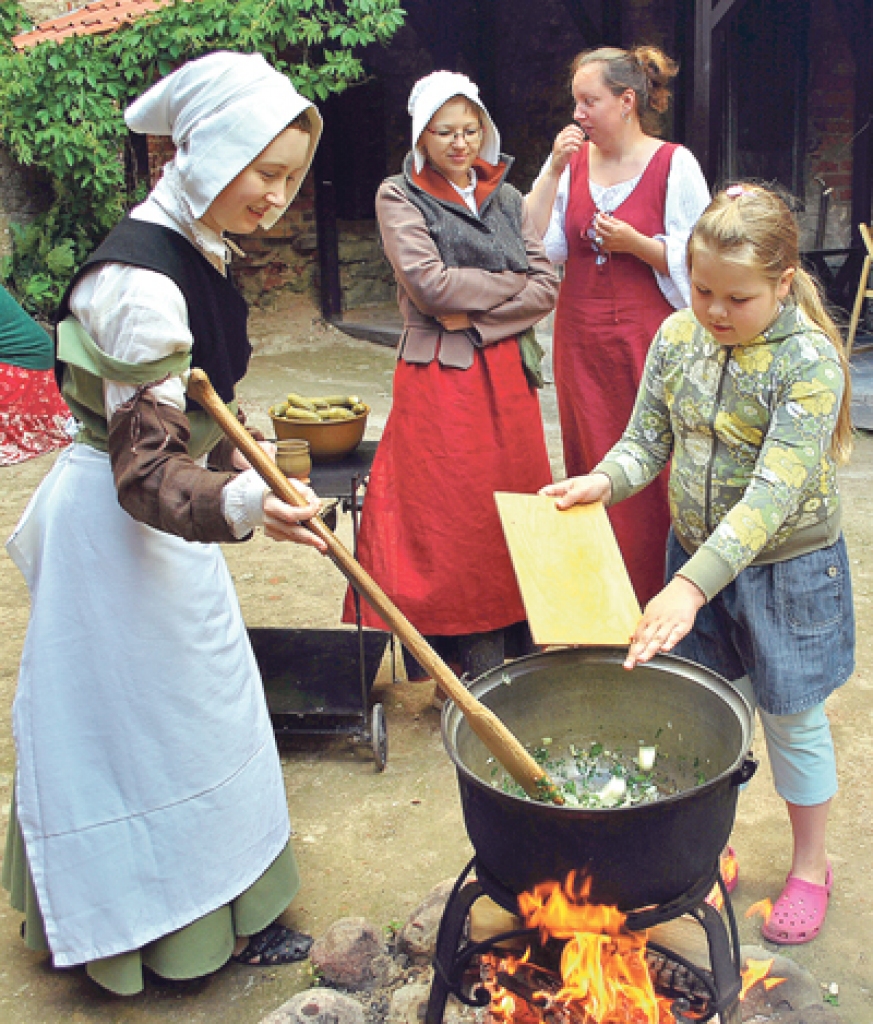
x: 761, y: 90
x: 355, y: 147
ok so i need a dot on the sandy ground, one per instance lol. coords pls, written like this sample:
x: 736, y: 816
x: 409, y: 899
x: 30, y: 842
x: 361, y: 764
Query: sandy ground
x: 371, y: 844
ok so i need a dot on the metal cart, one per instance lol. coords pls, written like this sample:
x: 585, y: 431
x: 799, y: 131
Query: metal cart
x: 318, y: 682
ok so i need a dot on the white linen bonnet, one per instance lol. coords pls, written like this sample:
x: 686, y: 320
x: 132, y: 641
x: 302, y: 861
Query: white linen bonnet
x: 221, y: 111
x: 430, y: 93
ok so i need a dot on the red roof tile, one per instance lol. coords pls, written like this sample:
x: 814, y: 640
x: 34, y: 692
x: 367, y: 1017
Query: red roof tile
x: 100, y: 16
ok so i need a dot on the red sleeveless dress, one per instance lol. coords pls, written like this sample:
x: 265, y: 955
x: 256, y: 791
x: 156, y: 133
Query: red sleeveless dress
x: 606, y: 317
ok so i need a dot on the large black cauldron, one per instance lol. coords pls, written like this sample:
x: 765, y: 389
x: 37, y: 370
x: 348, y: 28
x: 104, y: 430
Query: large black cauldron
x: 636, y: 856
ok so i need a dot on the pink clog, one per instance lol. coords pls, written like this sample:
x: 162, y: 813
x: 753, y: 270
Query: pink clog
x: 799, y: 913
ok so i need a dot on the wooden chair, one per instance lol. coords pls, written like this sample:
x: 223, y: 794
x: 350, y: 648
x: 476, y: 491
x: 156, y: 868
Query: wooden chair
x: 864, y: 289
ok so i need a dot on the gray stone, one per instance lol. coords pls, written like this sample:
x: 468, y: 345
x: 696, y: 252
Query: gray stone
x: 810, y: 1015
x: 457, y: 1013
x: 408, y: 1004
x: 418, y: 936
x: 385, y: 970
x: 344, y: 954
x: 799, y: 991
x: 317, y: 1006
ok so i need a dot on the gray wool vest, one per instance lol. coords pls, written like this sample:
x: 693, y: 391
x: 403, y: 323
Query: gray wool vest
x: 492, y: 241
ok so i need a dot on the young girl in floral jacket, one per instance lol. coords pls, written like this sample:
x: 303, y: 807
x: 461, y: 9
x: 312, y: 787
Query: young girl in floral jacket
x: 748, y: 394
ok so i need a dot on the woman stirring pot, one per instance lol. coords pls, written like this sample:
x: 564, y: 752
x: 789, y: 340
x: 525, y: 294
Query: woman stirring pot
x: 465, y: 422
x: 149, y: 827
x: 616, y: 206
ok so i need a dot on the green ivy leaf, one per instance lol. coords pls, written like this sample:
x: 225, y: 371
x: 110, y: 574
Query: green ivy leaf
x: 61, y: 106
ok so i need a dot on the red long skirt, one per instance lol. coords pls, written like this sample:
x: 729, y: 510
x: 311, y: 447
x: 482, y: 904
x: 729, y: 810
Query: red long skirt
x: 430, y: 534
x: 32, y: 414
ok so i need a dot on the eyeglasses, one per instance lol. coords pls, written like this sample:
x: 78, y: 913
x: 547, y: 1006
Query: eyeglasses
x: 596, y: 239
x: 469, y: 135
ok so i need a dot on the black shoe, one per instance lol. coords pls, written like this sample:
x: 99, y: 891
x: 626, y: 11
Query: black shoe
x: 274, y: 946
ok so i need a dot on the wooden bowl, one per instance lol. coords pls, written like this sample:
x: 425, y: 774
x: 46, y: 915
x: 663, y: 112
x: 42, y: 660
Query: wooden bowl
x: 329, y: 441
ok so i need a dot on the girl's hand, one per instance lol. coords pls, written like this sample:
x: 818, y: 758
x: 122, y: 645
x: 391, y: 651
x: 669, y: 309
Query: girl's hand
x: 285, y: 522
x: 580, y: 490
x: 241, y: 463
x: 567, y: 142
x: 455, y: 321
x: 617, y: 235
x: 668, y: 617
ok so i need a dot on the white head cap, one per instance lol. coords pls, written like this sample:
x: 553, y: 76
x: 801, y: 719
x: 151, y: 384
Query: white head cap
x: 430, y: 93
x: 221, y: 111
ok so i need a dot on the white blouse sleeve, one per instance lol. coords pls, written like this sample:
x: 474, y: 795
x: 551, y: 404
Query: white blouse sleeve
x: 687, y: 198
x: 140, y: 315
x: 554, y: 240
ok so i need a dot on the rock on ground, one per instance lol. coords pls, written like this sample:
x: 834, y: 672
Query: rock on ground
x: 318, y: 1006
x: 418, y: 936
x: 344, y: 955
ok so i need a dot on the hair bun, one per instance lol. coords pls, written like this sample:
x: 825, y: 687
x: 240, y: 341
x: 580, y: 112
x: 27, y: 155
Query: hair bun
x: 659, y: 70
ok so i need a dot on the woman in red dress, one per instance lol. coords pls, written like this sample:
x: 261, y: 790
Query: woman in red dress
x: 616, y: 205
x: 465, y: 422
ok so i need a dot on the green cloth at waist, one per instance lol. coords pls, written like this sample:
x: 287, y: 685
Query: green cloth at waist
x: 86, y: 367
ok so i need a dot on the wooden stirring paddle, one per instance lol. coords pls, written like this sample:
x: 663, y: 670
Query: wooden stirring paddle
x: 484, y: 723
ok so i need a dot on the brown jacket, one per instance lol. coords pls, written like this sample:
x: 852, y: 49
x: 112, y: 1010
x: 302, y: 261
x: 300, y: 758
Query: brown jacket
x: 500, y: 305
x: 158, y: 483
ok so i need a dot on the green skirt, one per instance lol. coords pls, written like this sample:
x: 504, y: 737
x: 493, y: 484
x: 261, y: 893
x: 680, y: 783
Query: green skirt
x: 191, y: 952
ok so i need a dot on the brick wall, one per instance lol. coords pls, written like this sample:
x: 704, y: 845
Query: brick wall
x: 830, y: 115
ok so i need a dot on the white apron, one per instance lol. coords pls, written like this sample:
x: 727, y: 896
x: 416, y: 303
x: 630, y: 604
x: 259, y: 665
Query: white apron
x: 149, y: 788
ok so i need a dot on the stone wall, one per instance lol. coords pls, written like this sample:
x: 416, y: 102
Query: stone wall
x: 23, y: 192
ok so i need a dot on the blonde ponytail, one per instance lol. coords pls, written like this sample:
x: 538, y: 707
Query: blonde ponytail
x: 807, y: 295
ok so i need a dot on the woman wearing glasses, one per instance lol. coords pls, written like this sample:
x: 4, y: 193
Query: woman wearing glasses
x: 616, y: 206
x: 472, y: 276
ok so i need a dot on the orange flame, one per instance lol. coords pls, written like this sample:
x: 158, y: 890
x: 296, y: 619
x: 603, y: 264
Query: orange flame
x: 729, y: 865
x: 762, y: 907
x: 604, y: 974
x: 758, y: 970
x: 605, y: 978
x: 730, y: 869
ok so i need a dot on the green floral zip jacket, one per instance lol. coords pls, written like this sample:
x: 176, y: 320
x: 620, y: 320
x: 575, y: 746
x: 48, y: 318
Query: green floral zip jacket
x: 749, y: 431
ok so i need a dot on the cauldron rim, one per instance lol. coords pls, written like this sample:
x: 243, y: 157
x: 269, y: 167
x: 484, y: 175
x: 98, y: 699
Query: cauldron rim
x: 733, y: 698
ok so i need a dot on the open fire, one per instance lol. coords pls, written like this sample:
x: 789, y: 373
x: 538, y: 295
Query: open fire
x: 602, y: 975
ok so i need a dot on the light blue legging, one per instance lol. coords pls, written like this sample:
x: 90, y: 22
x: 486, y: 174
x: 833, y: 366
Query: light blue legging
x: 801, y: 751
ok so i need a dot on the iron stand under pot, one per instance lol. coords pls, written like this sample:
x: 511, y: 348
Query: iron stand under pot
x: 656, y: 862
x: 720, y: 985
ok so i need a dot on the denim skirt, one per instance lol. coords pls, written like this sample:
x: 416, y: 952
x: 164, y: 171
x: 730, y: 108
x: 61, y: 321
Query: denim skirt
x: 789, y: 626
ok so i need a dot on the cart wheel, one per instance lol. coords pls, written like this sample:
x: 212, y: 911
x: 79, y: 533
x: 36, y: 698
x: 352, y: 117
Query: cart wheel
x: 379, y: 732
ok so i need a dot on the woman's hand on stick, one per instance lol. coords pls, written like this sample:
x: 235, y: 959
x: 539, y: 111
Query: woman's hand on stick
x: 286, y: 522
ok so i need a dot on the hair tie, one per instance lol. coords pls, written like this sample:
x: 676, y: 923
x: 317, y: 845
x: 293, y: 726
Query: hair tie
x: 735, y: 191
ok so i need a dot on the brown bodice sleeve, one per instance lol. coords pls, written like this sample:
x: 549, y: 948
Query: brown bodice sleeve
x: 158, y: 482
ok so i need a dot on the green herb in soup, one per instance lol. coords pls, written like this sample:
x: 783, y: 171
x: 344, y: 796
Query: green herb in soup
x: 595, y: 777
